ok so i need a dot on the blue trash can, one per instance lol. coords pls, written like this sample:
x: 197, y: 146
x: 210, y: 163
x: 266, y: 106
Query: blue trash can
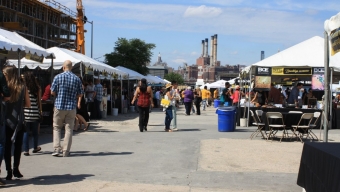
x: 226, y: 119
x: 216, y: 103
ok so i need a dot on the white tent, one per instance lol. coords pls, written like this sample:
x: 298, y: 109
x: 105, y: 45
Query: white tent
x: 163, y: 81
x: 218, y: 84
x: 309, y: 53
x: 65, y: 54
x: 154, y: 79
x: 133, y: 74
x: 25, y: 45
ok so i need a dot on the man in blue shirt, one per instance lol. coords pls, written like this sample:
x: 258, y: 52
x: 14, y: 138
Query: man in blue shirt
x: 294, y: 95
x: 98, y: 97
x: 66, y: 88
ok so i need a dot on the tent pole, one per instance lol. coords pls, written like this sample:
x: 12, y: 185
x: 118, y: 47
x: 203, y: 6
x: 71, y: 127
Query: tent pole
x: 81, y: 69
x: 121, y: 93
x: 19, y: 62
x: 330, y: 99
x: 250, y: 71
x: 111, y: 96
x: 128, y: 99
x: 52, y: 64
x: 326, y: 96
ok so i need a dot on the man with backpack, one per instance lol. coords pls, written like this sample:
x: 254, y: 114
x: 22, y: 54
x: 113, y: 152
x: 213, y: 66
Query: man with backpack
x: 225, y: 96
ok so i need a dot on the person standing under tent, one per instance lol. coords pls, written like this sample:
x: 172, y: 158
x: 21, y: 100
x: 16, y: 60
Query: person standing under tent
x: 237, y: 95
x: 225, y: 100
x: 274, y: 95
x: 158, y: 97
x: 294, y: 95
x: 66, y: 87
x: 97, y: 98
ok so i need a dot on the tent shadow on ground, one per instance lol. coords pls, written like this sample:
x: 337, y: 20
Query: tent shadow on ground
x: 48, y: 180
x: 86, y: 153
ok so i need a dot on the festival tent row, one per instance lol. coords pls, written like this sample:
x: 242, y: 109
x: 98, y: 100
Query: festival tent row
x: 65, y: 54
x: 133, y: 75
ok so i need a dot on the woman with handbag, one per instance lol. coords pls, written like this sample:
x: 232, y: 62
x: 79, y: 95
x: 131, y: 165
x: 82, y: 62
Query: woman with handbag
x: 145, y: 99
x: 33, y: 113
x: 14, y: 120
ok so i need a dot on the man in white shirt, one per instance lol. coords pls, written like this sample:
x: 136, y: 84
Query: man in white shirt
x: 89, y: 91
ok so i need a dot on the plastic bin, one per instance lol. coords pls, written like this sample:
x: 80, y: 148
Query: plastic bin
x: 226, y: 119
x: 216, y: 103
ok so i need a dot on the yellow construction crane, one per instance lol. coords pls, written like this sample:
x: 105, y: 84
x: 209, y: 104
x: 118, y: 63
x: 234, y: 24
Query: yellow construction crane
x: 80, y: 28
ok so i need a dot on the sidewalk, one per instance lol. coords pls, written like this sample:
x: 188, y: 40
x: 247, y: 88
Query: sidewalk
x: 114, y: 156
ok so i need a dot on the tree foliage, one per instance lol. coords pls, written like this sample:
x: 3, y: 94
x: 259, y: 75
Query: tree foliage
x: 133, y: 54
x: 174, y: 77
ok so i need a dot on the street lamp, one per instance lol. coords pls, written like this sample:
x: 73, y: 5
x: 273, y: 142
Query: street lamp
x: 91, y: 22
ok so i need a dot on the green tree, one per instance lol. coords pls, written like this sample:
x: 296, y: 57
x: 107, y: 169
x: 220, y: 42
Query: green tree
x: 133, y: 54
x: 174, y: 77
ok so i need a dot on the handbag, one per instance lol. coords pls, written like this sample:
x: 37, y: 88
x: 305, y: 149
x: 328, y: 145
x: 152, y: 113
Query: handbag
x: 165, y: 103
x: 15, y: 120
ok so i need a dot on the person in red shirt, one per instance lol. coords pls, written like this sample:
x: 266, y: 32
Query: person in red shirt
x: 237, y: 95
x: 47, y: 93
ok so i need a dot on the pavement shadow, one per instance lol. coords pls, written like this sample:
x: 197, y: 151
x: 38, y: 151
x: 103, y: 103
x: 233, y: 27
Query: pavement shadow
x: 87, y: 153
x: 47, y: 180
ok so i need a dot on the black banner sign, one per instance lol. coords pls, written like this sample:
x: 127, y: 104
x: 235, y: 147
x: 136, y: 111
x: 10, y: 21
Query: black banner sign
x: 318, y: 70
x: 263, y: 71
x: 297, y: 71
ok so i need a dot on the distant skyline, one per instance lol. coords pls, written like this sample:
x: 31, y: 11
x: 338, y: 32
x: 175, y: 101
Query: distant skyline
x: 244, y: 28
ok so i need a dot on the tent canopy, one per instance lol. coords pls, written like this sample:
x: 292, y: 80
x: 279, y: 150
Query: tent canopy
x: 309, y: 53
x: 65, y: 54
x: 16, y: 41
x: 132, y: 74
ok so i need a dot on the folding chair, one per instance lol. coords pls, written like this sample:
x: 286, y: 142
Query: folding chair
x: 260, y: 126
x: 303, y: 129
x: 259, y: 115
x: 314, y: 124
x: 276, y: 127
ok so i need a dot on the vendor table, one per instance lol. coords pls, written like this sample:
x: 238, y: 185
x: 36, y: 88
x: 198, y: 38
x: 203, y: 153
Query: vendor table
x: 320, y: 167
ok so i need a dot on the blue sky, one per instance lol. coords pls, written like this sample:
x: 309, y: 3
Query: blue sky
x: 244, y: 27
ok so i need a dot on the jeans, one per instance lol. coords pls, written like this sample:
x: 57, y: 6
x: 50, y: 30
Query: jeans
x: 33, y: 126
x: 143, y: 117
x: 187, y: 107
x: 2, y: 141
x: 174, y: 117
x: 198, y: 109
x: 193, y: 108
x: 168, y: 117
x: 17, y: 148
x: 204, y: 103
x: 97, y: 109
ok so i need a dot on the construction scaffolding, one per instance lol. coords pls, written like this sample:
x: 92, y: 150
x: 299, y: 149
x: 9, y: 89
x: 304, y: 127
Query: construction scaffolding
x: 44, y: 22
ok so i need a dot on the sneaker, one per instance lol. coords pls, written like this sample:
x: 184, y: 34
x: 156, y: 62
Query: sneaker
x: 66, y: 154
x: 56, y: 153
x: 175, y: 129
x: 2, y: 182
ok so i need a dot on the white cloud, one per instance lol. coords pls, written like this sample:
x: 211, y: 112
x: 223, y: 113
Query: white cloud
x: 179, y: 61
x: 202, y: 12
x: 193, y: 53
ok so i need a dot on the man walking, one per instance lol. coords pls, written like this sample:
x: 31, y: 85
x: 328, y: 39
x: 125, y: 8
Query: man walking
x: 98, y: 96
x: 205, y: 97
x: 4, y: 91
x: 66, y: 88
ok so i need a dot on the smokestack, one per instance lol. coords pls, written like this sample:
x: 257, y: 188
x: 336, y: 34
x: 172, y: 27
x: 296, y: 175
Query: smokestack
x: 202, y: 48
x: 262, y: 55
x: 215, y: 48
x: 212, y: 51
x: 206, y: 47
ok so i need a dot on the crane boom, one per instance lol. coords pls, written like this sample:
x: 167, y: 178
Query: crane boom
x: 80, y: 28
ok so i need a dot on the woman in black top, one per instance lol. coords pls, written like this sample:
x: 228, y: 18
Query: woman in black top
x: 198, y: 100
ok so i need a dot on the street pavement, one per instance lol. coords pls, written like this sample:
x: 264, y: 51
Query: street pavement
x: 114, y: 156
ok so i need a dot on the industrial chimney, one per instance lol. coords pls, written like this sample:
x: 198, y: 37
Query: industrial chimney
x: 206, y: 47
x: 202, y: 48
x: 215, y: 48
x: 212, y: 51
x: 262, y: 55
